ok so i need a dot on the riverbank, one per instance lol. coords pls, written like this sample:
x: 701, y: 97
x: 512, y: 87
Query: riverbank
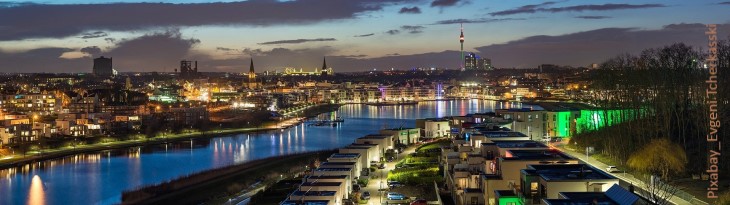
x: 217, y: 185
x: 47, y: 154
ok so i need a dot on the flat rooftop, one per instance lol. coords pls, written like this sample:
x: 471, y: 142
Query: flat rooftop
x: 537, y: 155
x: 572, y: 198
x: 566, y: 172
x: 321, y: 183
x: 313, y: 193
x: 327, y: 177
x: 363, y: 145
x: 345, y: 155
x: 516, y: 144
x: 338, y: 163
x: 375, y: 136
x: 333, y: 169
x: 355, y: 147
x: 305, y: 202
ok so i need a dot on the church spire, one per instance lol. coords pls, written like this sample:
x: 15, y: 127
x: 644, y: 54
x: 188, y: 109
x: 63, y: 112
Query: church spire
x: 251, y: 76
x: 251, y: 71
x: 324, y: 63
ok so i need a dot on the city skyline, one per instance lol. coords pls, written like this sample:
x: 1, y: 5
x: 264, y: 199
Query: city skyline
x: 354, y: 35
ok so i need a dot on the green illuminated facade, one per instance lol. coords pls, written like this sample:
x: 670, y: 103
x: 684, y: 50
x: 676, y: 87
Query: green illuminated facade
x: 591, y: 120
x: 567, y: 123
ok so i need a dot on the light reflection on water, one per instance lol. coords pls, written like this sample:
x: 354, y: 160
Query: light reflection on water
x: 99, y: 178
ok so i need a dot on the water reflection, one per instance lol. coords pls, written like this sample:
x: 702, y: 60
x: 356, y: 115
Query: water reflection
x: 37, y: 194
x: 99, y: 178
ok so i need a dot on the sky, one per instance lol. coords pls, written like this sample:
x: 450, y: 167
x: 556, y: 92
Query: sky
x: 354, y: 35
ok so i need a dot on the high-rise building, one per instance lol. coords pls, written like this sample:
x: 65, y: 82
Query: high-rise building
x: 474, y: 62
x: 187, y: 70
x: 103, y: 67
x: 461, y: 40
x: 484, y: 64
x: 470, y: 61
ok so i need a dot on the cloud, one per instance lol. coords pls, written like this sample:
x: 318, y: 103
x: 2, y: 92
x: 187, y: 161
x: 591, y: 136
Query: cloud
x: 593, y: 17
x: 412, y: 29
x: 225, y: 49
x: 445, y: 3
x: 393, y: 32
x: 593, y: 46
x: 481, y: 20
x: 724, y: 3
x: 159, y: 51
x: 351, y: 56
x: 295, y: 41
x: 43, y: 60
x: 531, y: 8
x: 94, y: 51
x: 97, y: 34
x: 579, y: 8
x: 22, y: 21
x: 270, y: 59
x: 365, y: 35
x: 411, y: 10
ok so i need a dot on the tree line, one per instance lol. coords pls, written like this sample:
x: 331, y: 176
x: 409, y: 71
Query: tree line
x: 666, y: 88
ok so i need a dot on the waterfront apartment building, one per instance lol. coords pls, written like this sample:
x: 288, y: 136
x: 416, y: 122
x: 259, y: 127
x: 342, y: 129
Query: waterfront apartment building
x: 434, y: 127
x: 503, y: 173
x: 527, y: 121
x: 547, y: 181
x: 30, y: 104
x: 404, y: 136
x: 385, y: 142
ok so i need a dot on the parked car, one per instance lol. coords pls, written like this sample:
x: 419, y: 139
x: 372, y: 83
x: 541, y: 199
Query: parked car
x: 612, y: 169
x: 419, y: 202
x: 365, y: 195
x: 395, y: 184
x: 395, y: 196
x: 390, y: 159
x: 382, y: 166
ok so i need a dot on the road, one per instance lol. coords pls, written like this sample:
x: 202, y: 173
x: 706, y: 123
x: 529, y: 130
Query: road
x: 375, y: 184
x: 628, y: 178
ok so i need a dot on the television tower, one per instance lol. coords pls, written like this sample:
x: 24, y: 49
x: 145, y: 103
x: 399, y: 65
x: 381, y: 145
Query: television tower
x: 461, y: 40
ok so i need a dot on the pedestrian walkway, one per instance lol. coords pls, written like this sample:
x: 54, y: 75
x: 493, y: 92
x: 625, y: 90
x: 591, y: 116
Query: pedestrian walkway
x: 631, y: 179
x: 378, y: 180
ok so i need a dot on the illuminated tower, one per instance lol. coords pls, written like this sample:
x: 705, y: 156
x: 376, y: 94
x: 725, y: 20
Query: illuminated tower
x: 461, y: 40
x: 251, y: 77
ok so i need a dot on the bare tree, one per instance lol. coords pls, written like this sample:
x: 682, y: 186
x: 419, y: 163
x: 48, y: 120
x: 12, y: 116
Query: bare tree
x: 657, y: 191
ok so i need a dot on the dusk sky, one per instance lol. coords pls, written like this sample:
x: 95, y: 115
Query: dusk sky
x: 354, y: 35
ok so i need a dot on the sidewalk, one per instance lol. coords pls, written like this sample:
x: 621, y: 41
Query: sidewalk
x: 625, y: 176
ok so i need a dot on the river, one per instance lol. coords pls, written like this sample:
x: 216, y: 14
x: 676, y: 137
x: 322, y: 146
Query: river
x: 100, y: 177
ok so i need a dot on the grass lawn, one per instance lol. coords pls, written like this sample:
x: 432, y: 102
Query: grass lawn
x: 433, y: 145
